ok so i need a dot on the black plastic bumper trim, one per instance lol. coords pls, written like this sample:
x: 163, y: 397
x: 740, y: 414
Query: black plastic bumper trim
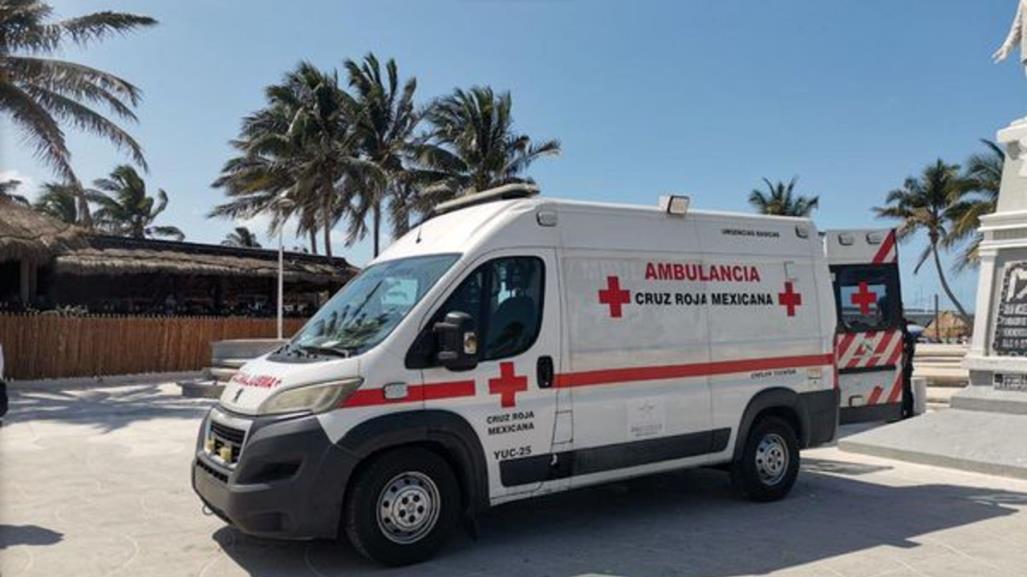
x: 552, y: 466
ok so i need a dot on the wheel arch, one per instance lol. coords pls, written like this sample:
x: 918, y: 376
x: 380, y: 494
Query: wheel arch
x: 442, y: 431
x: 777, y: 401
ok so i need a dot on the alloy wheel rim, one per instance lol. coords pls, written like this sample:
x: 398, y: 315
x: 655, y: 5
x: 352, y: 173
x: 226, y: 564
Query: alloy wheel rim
x: 772, y: 459
x: 408, y: 507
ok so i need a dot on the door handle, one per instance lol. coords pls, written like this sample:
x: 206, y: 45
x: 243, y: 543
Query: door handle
x: 544, y: 371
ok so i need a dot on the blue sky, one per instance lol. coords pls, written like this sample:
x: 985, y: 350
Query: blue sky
x: 699, y: 97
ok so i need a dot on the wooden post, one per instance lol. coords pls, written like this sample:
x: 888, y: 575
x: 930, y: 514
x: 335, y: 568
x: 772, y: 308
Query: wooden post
x: 26, y: 268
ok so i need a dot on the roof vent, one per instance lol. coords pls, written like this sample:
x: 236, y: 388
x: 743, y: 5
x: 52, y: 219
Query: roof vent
x: 505, y: 192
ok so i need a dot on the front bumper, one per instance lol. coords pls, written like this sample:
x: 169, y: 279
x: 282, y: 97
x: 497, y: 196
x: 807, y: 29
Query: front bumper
x: 288, y: 482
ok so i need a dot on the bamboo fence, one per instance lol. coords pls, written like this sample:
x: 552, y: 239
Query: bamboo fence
x: 51, y: 346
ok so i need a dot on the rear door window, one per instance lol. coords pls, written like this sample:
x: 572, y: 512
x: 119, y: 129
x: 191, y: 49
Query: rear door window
x: 867, y: 298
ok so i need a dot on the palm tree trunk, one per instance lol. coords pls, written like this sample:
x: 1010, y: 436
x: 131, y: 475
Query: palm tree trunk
x: 313, y: 241
x: 945, y: 286
x: 85, y: 218
x: 377, y: 215
x: 326, y: 207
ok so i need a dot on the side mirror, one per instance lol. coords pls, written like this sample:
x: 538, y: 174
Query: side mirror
x: 457, y: 338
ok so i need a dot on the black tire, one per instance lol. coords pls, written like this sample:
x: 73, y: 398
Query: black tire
x: 418, y: 474
x: 746, y: 476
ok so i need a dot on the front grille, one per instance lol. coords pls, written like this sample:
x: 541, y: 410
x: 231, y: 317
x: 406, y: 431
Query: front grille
x: 212, y: 471
x: 225, y: 437
x: 227, y: 433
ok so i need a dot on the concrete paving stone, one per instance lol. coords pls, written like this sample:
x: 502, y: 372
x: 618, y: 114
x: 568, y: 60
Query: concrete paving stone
x: 975, y: 441
x: 955, y: 563
x: 97, y: 483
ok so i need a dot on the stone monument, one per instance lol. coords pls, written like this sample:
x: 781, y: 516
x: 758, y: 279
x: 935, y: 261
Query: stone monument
x: 985, y: 428
x: 997, y: 360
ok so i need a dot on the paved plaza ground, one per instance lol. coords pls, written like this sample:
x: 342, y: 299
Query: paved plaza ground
x: 96, y: 483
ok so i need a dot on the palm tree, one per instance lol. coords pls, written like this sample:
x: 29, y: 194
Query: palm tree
x: 298, y: 155
x: 8, y: 189
x: 59, y: 201
x: 984, y: 172
x: 40, y: 93
x: 241, y: 237
x: 925, y: 203
x: 255, y: 180
x: 126, y: 210
x: 385, y: 120
x: 780, y: 199
x: 471, y: 145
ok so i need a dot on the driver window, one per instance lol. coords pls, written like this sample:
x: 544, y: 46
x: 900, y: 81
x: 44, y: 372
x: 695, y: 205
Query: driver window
x: 515, y: 306
x: 466, y: 299
x: 504, y: 296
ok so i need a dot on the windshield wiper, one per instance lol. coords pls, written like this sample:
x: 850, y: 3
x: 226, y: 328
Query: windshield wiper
x: 327, y: 351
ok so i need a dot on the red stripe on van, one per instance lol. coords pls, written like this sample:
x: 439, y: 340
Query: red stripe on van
x: 874, y: 395
x: 886, y: 246
x: 883, y: 344
x: 610, y: 376
x: 428, y: 392
x: 896, y: 355
x: 896, y: 388
x: 843, y: 344
x: 456, y: 389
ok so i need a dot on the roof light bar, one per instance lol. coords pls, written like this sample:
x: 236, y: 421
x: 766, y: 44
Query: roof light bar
x: 505, y: 192
x: 676, y: 205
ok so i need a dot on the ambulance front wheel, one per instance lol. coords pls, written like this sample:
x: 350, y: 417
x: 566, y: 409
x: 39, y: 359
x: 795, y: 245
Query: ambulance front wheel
x: 769, y: 463
x: 402, y: 506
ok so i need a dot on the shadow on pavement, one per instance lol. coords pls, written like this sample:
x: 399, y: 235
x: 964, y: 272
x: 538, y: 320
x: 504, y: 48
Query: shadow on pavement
x: 12, y: 535
x: 106, y: 408
x: 841, y: 467
x: 684, y: 523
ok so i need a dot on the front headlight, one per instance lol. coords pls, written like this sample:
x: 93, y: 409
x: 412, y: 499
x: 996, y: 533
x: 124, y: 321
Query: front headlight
x: 314, y: 398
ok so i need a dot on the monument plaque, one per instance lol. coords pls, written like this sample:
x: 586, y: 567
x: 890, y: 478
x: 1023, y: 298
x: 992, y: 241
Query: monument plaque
x: 1010, y: 338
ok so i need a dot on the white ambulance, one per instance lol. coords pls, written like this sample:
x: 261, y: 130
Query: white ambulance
x: 516, y: 345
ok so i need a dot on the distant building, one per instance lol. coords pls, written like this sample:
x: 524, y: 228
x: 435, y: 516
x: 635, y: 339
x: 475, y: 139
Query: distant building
x: 922, y: 317
x: 45, y: 264
x: 28, y: 241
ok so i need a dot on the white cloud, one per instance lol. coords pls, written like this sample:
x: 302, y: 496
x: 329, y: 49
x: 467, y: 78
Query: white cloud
x: 27, y: 183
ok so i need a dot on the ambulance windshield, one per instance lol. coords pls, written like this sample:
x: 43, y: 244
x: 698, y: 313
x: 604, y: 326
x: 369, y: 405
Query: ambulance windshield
x: 367, y: 309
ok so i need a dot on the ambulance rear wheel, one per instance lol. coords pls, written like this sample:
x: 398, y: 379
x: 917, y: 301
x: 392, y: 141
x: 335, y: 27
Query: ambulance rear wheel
x: 402, y: 507
x: 770, y: 461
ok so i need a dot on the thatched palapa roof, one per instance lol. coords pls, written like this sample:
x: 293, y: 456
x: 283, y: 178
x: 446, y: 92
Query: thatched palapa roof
x: 106, y: 255
x: 26, y: 234
x: 951, y: 326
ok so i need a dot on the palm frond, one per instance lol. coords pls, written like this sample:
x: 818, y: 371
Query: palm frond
x: 39, y: 92
x: 83, y: 117
x: 38, y: 128
x: 100, y: 25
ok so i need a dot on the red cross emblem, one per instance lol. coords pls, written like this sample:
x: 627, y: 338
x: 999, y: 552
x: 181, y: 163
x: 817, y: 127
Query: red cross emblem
x: 863, y: 298
x: 789, y: 299
x: 507, y: 385
x: 614, y: 296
